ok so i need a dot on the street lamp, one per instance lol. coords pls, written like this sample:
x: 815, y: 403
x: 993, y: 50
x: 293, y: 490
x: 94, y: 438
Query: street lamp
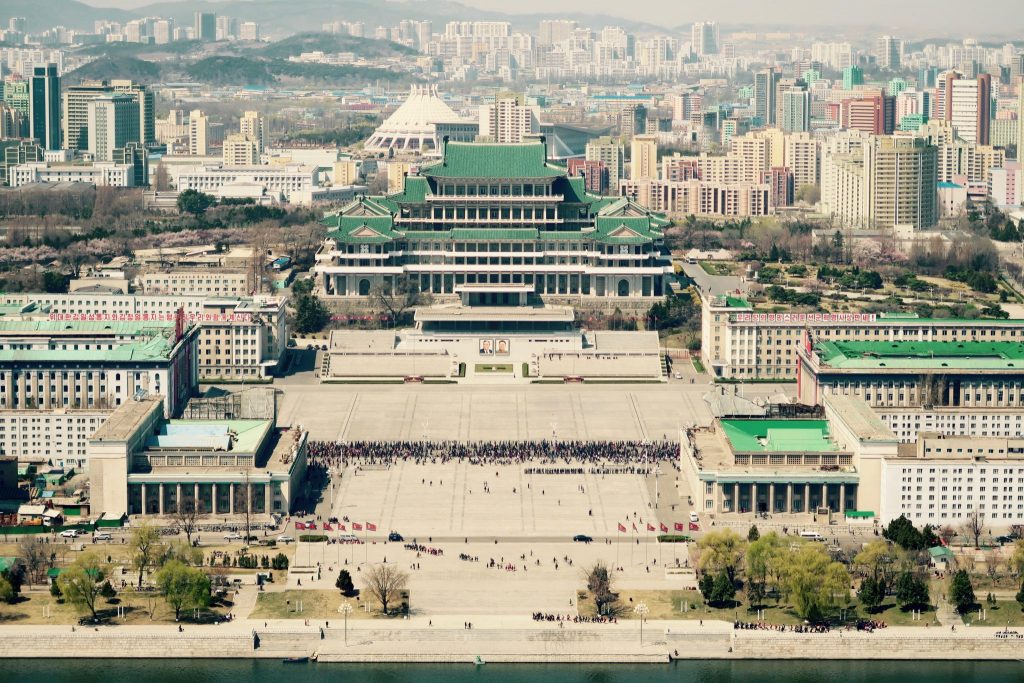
x: 641, y: 611
x: 345, y: 608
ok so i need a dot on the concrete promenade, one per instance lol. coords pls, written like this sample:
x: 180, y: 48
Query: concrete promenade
x: 500, y: 639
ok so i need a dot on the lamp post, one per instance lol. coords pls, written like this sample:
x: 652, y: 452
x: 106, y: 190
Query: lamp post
x: 345, y: 608
x: 641, y: 610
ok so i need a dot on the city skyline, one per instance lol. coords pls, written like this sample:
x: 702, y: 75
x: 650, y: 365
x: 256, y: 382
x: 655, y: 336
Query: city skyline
x: 987, y: 15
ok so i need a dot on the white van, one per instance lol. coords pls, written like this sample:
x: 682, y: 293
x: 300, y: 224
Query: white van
x: 811, y: 536
x: 693, y: 517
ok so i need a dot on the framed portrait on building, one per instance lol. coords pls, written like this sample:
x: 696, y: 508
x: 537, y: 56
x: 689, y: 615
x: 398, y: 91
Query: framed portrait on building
x: 486, y: 347
x: 502, y: 346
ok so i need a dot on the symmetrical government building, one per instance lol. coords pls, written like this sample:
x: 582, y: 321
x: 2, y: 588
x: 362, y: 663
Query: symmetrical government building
x: 498, y: 215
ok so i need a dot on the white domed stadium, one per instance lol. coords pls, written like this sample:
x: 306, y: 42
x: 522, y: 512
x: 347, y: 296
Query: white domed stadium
x: 413, y: 127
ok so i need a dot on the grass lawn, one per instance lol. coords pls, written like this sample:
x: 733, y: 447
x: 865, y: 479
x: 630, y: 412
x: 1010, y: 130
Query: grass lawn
x: 698, y: 366
x: 715, y: 268
x: 670, y: 605
x: 39, y: 607
x: 493, y: 367
x: 1005, y: 612
x: 316, y: 604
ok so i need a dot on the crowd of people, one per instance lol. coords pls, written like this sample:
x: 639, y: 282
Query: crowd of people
x: 574, y: 618
x: 608, y: 456
x: 424, y: 549
x: 781, y: 628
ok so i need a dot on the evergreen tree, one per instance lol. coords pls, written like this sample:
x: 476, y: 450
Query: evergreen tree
x: 961, y: 592
x: 344, y: 583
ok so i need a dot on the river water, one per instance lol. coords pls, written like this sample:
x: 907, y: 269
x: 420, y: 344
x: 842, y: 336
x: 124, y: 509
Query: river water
x: 240, y: 671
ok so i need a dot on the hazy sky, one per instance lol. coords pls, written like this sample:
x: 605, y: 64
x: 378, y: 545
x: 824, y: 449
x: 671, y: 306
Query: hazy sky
x: 1004, y: 17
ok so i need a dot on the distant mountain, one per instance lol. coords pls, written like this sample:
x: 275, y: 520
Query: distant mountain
x: 40, y: 16
x: 107, y: 68
x: 332, y: 43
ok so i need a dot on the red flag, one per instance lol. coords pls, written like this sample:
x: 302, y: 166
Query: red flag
x: 664, y: 529
x: 650, y: 527
x: 694, y: 527
x: 356, y: 526
x: 679, y: 526
x: 300, y: 525
x: 622, y: 529
x: 370, y: 526
x: 341, y: 527
x: 327, y: 527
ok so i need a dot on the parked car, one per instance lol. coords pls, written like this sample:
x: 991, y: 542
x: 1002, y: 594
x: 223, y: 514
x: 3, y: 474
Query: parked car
x: 232, y: 537
x: 285, y: 539
x: 582, y: 538
x: 69, y: 533
x: 395, y: 537
x: 102, y: 536
x: 694, y: 517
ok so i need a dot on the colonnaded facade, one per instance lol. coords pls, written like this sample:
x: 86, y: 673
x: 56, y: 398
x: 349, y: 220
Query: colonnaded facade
x: 495, y: 215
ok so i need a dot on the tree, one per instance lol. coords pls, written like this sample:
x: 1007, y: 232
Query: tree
x: 813, y: 580
x: 310, y: 314
x: 384, y: 583
x: 195, y: 202
x: 762, y: 562
x: 344, y: 583
x: 7, y: 593
x: 911, y: 590
x: 1017, y: 558
x: 721, y: 550
x: 707, y: 587
x: 974, y: 526
x: 961, y: 592
x: 146, y: 547
x: 753, y: 534
x: 183, y: 552
x: 599, y: 584
x: 81, y: 583
x: 871, y: 593
x: 397, y: 298
x: 1020, y: 596
x: 902, y: 532
x: 877, y: 561
x: 186, y: 517
x: 35, y: 556
x: 724, y: 590
x: 183, y: 587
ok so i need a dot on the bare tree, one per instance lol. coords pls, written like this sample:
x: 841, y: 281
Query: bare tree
x: 599, y: 585
x: 187, y: 518
x: 947, y: 534
x: 974, y: 527
x: 146, y: 547
x: 33, y: 553
x: 396, y: 299
x: 384, y: 583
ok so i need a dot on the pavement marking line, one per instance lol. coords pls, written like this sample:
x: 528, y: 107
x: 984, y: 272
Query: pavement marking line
x: 636, y: 414
x: 522, y: 502
x: 343, y: 430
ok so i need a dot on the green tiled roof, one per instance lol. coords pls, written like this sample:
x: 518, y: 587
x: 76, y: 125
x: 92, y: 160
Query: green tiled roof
x: 415, y: 192
x: 494, y: 234
x: 624, y: 230
x: 363, y: 229
x: 964, y: 355
x: 485, y: 160
x: 792, y: 436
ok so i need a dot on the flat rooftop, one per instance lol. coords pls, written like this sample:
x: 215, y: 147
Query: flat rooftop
x: 963, y: 355
x: 859, y: 418
x: 496, y: 313
x: 239, y: 436
x: 126, y: 420
x: 789, y: 436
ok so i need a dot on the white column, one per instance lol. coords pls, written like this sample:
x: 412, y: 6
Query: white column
x: 145, y: 510
x: 771, y: 497
x: 231, y: 498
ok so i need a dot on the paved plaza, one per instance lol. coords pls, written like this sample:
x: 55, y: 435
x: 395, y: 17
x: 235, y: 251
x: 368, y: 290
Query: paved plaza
x: 611, y: 412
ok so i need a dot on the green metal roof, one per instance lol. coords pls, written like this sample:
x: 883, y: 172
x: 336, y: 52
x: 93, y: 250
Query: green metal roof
x: 791, y: 436
x: 964, y: 355
x: 363, y: 229
x: 130, y: 328
x: 736, y: 302
x: 486, y: 160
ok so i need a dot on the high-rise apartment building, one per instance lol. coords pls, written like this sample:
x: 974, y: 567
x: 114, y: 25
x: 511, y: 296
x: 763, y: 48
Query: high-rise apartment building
x: 796, y: 111
x: 880, y: 181
x: 44, y: 106
x: 249, y: 30
x: 643, y: 157
x: 632, y: 120
x: 889, y: 52
x: 1020, y: 120
x: 704, y: 38
x: 113, y: 122
x: 875, y: 114
x: 765, y: 83
x: 852, y: 77
x: 969, y: 106
x: 163, y: 31
x: 554, y: 31
x: 198, y: 133
x: 251, y: 126
x: 240, y: 150
x: 206, y: 26
x: 507, y: 121
x: 76, y: 101
x: 610, y: 153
